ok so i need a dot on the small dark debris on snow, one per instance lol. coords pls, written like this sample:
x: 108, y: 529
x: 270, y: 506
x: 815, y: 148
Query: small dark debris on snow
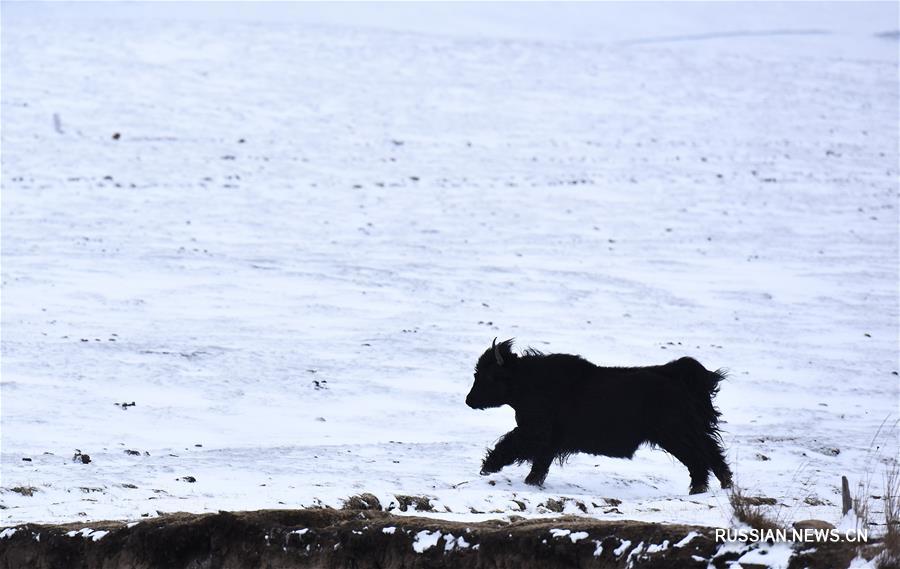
x: 559, y: 505
x: 554, y: 505
x: 759, y: 501
x: 417, y: 503
x: 813, y: 501
x: 190, y: 479
x: 116, y: 136
x: 124, y: 406
x: 25, y: 490
x: 133, y: 452
x: 79, y: 456
x: 26, y: 459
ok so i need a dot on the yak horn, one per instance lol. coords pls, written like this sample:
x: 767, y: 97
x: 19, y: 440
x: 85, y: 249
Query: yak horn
x: 497, y: 353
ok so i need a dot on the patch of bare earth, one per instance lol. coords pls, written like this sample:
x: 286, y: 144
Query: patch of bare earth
x: 369, y: 538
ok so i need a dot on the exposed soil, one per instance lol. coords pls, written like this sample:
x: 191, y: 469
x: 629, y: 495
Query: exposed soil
x: 362, y: 539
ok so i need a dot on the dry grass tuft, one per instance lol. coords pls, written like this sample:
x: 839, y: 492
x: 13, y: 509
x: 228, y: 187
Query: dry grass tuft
x: 751, y: 510
x: 364, y: 501
x: 890, y: 557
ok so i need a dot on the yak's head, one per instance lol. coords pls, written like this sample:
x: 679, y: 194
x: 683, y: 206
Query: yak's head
x: 493, y: 375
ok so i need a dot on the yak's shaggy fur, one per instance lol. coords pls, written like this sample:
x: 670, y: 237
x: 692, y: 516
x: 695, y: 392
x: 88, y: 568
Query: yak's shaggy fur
x: 565, y: 404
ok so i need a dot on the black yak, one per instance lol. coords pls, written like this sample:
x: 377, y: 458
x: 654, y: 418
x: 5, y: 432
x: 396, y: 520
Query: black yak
x: 565, y: 404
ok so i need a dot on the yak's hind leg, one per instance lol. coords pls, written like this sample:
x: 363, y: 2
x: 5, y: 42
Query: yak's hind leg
x: 716, y: 459
x: 509, y: 449
x: 692, y: 456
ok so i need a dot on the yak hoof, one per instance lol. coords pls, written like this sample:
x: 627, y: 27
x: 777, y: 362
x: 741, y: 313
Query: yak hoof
x: 535, y: 481
x: 699, y: 489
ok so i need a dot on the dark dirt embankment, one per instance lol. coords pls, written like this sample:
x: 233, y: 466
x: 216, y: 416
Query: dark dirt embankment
x: 362, y: 539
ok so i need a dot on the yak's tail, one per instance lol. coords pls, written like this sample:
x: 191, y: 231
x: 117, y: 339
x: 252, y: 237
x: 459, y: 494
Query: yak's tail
x: 703, y: 385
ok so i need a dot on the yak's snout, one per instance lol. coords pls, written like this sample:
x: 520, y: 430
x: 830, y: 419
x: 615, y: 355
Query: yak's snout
x: 484, y: 397
x: 470, y: 400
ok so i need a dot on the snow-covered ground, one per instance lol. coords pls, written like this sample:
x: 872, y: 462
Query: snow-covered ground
x: 314, y: 220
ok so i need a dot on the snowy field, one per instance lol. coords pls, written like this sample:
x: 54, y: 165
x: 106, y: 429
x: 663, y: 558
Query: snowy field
x: 286, y: 233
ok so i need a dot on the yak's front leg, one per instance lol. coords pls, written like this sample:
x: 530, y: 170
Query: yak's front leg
x: 509, y: 449
x: 540, y: 466
x: 541, y: 451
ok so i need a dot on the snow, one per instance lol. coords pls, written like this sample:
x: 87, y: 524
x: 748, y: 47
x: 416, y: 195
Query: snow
x: 313, y: 223
x: 389, y: 530
x: 774, y: 556
x: 861, y: 563
x: 687, y: 539
x: 7, y: 533
x: 95, y: 535
x: 850, y: 522
x: 598, y: 551
x: 623, y: 547
x: 425, y: 540
x: 575, y: 537
x: 635, y: 553
x: 455, y: 542
x: 578, y: 535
